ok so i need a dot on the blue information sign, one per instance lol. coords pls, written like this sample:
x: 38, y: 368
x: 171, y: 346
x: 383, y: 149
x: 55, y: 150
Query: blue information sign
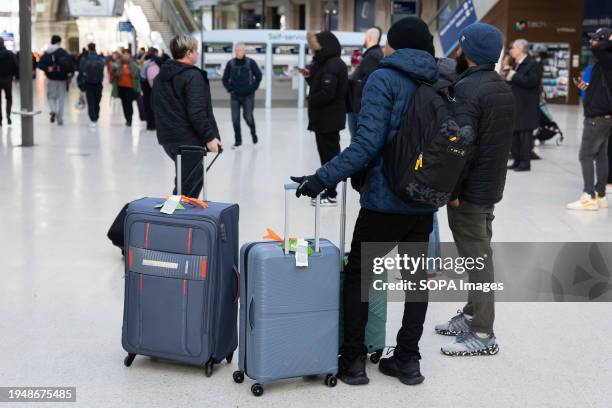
x: 126, y: 26
x: 461, y: 18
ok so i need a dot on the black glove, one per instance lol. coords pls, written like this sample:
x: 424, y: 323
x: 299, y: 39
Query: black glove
x: 310, y: 186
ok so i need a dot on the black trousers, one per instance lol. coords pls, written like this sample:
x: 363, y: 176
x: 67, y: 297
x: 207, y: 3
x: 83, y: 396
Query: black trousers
x: 93, y: 94
x: 247, y: 104
x: 148, y: 106
x: 6, y: 85
x: 522, y: 144
x: 373, y: 226
x: 328, y: 145
x: 127, y: 96
x: 191, y: 171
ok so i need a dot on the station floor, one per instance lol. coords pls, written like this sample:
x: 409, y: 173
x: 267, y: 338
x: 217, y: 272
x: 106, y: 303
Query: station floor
x: 61, y: 295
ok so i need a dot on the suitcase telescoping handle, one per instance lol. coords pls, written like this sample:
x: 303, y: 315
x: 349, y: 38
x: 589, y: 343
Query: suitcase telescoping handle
x: 179, y: 166
x: 294, y: 186
x: 290, y: 187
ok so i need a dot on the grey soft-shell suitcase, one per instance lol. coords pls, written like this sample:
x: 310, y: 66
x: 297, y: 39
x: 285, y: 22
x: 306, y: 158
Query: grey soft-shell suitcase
x: 289, y: 315
x: 181, y: 283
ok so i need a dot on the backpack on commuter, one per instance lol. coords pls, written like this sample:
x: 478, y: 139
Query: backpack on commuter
x: 94, y: 69
x: 425, y: 160
x: 61, y: 64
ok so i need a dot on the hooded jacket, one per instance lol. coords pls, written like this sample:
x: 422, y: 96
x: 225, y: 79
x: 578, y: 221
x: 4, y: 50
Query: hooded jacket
x: 56, y: 63
x: 328, y: 83
x: 369, y: 62
x: 386, y: 97
x: 183, y: 106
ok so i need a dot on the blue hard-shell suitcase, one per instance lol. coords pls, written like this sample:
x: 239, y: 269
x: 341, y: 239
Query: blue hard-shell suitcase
x: 289, y: 315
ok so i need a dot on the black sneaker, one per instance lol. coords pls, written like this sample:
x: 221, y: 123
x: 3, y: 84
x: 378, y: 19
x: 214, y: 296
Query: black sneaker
x: 236, y: 146
x: 255, y: 139
x: 52, y: 117
x: 9, y: 121
x: 353, y: 372
x: 128, y: 123
x: 408, y: 372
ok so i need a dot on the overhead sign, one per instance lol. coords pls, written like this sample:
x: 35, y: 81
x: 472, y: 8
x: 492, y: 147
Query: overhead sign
x: 365, y: 14
x: 462, y: 17
x: 126, y: 26
x: 91, y: 8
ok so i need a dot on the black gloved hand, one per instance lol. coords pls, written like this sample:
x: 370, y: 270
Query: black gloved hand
x: 310, y: 186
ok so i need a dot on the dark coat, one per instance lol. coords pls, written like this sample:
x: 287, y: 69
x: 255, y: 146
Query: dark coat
x: 8, y: 64
x: 386, y: 97
x: 183, y: 106
x: 487, y: 105
x: 241, y: 79
x: 57, y: 64
x: 526, y: 87
x: 328, y: 86
x: 357, y: 80
x: 598, y: 97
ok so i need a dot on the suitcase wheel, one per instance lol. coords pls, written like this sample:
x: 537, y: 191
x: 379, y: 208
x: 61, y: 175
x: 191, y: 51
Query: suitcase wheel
x: 208, y: 368
x: 257, y: 389
x: 331, y: 380
x: 375, y: 356
x: 229, y: 357
x: 127, y: 361
x: 238, y: 377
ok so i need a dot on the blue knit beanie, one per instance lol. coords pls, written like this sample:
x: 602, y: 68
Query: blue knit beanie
x: 482, y: 43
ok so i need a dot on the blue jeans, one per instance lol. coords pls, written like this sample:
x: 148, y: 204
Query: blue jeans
x: 247, y: 103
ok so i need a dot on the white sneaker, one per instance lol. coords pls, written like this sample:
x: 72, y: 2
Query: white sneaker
x: 93, y: 125
x: 236, y: 147
x: 602, y: 202
x: 585, y: 203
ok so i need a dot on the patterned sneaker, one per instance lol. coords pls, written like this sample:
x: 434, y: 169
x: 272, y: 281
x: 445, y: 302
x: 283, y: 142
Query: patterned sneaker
x: 469, y: 344
x: 458, y: 324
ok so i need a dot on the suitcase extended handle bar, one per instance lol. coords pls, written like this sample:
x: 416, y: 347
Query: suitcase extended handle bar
x: 290, y: 187
x: 179, y: 166
x: 294, y: 186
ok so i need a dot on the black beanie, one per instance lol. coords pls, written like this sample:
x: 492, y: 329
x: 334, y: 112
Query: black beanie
x: 411, y: 32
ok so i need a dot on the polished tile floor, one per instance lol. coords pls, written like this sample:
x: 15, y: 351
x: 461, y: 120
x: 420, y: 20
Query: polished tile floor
x: 61, y: 296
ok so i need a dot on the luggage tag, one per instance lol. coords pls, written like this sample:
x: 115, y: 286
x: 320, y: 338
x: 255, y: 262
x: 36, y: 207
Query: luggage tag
x: 171, y: 204
x: 301, y: 253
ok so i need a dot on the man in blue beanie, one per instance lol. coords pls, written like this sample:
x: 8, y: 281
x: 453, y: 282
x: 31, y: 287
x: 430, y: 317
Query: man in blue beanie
x: 489, y: 109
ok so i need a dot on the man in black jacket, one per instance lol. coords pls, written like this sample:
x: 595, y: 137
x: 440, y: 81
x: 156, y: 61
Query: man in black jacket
x: 183, y: 106
x: 328, y: 80
x: 487, y: 105
x: 525, y: 79
x: 8, y: 70
x: 357, y: 79
x: 597, y: 124
x: 241, y: 79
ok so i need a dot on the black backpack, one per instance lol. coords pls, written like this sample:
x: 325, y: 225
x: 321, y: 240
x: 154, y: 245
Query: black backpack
x: 424, y: 161
x: 94, y: 70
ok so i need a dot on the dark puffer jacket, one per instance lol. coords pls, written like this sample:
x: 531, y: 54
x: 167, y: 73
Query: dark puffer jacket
x: 489, y: 108
x: 328, y: 85
x: 183, y: 106
x: 8, y: 64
